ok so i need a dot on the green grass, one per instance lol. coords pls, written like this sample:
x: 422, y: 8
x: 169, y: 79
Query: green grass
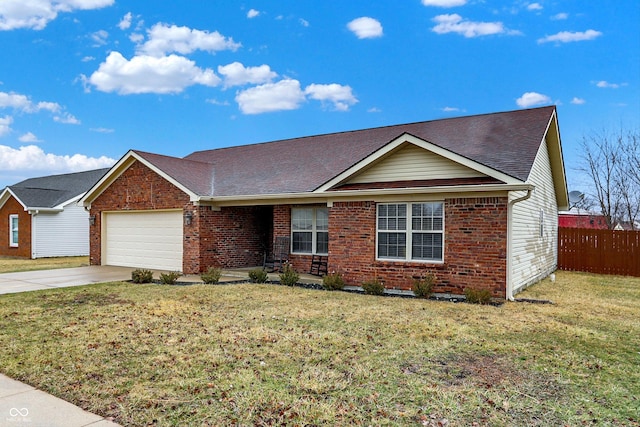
x: 11, y: 264
x: 275, y: 355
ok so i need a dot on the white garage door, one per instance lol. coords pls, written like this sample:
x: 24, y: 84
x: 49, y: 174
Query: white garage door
x: 143, y: 239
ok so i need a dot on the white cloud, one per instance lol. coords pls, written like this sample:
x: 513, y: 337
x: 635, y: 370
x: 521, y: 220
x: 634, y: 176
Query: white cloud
x: 23, y: 104
x: 340, y: 96
x: 450, y: 109
x: 149, y: 74
x: 29, y: 137
x: 454, y: 23
x: 136, y: 37
x: 5, y: 125
x: 534, y: 6
x: 125, y: 23
x: 36, y: 14
x: 365, y: 27
x: 444, y: 3
x: 66, y: 118
x: 32, y: 157
x: 88, y: 59
x: 102, y: 130
x: 578, y: 101
x: 164, y: 39
x: 303, y: 22
x: 236, y: 74
x: 100, y: 37
x: 529, y: 99
x: 568, y: 36
x: 374, y: 110
x: 283, y: 95
x: 560, y: 16
x: 253, y: 13
x: 606, y: 85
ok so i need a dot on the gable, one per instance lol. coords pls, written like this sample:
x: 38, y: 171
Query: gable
x: 412, y: 163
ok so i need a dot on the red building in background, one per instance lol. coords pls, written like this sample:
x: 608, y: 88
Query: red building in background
x: 582, y: 220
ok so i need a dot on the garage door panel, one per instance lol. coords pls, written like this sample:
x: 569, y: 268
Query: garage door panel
x: 144, y: 239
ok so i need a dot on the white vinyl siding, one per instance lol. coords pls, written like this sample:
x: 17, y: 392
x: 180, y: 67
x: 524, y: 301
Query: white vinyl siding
x: 13, y: 230
x: 534, y: 227
x: 152, y: 240
x: 56, y: 234
x: 410, y: 163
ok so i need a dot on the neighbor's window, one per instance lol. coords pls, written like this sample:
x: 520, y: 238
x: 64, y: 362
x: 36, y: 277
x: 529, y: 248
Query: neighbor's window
x: 13, y: 230
x: 411, y: 231
x: 310, y: 230
x: 541, y: 223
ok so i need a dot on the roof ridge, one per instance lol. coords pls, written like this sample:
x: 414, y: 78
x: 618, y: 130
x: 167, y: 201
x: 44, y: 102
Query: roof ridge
x: 367, y: 129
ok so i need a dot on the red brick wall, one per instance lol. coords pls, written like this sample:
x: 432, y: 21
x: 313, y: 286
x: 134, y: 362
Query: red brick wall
x: 138, y: 188
x: 231, y: 237
x: 475, y: 247
x: 13, y: 207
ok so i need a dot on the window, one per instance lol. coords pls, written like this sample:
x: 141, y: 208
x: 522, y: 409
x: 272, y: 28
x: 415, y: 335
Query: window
x: 13, y: 230
x: 411, y: 231
x: 310, y: 230
x: 541, y: 223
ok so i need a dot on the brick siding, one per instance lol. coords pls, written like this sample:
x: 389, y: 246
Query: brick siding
x: 475, y: 247
x: 230, y: 237
x: 23, y: 250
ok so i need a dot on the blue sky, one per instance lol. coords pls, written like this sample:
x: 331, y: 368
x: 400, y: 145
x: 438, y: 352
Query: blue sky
x: 83, y: 81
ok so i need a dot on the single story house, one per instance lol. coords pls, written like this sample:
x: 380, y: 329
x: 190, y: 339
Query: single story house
x: 40, y: 217
x: 473, y: 200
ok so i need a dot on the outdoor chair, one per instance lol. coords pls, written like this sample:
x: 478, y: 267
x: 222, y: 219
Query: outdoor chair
x: 279, y: 256
x: 318, y: 265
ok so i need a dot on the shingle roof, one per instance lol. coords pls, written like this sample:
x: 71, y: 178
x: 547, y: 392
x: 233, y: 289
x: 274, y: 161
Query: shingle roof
x: 50, y: 191
x: 507, y: 142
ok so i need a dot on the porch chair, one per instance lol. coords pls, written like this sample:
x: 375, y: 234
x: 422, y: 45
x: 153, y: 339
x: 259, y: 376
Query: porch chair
x: 279, y: 256
x: 318, y: 265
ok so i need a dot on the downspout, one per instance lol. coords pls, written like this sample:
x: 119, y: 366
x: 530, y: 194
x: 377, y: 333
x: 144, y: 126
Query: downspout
x: 510, y: 205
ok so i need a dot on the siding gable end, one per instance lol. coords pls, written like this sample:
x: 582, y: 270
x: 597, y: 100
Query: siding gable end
x: 410, y: 162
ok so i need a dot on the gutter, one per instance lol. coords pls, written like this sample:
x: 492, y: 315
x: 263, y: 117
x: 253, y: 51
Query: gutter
x: 509, y: 295
x: 256, y: 199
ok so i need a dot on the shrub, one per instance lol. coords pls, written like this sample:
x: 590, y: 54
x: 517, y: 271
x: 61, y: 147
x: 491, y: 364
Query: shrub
x: 289, y: 277
x: 423, y: 287
x: 169, y: 278
x: 141, y: 276
x: 373, y: 287
x: 477, y: 296
x: 211, y: 276
x: 258, y: 275
x: 333, y: 282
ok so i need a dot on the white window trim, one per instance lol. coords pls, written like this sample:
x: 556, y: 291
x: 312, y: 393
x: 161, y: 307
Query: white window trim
x: 314, y: 232
x: 13, y: 243
x: 409, y: 234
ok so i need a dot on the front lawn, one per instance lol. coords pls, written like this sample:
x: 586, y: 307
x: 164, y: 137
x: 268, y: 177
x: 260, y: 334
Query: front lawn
x: 273, y: 355
x: 10, y: 264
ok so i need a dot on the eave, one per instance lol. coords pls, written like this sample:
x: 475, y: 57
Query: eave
x: 353, y: 195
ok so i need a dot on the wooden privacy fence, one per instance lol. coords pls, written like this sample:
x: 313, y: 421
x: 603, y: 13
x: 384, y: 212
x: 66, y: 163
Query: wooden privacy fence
x: 599, y: 251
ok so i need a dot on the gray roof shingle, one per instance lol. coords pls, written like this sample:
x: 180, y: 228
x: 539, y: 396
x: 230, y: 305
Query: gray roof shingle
x: 507, y: 142
x: 50, y: 191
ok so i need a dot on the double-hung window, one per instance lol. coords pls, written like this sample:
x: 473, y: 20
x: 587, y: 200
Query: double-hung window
x: 310, y: 230
x: 13, y: 230
x: 411, y: 231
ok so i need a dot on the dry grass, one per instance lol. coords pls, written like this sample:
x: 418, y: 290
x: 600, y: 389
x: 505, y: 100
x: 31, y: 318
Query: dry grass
x: 10, y: 264
x: 274, y: 355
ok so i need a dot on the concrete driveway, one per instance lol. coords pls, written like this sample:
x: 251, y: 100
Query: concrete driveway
x: 60, y: 278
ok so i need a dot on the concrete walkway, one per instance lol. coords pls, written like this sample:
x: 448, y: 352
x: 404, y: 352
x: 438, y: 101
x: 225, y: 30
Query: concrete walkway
x: 23, y: 405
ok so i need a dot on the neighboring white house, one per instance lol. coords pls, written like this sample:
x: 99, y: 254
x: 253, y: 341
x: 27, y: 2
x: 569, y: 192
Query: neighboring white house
x: 42, y: 217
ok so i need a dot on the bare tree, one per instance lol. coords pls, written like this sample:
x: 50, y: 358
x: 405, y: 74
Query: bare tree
x: 612, y: 162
